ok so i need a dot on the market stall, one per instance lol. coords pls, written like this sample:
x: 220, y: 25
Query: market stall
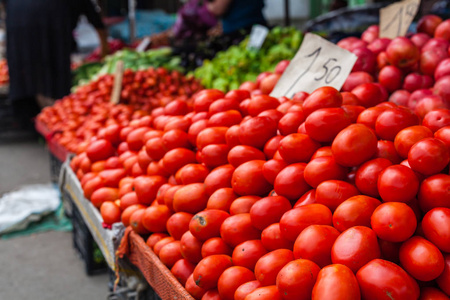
x: 286, y: 167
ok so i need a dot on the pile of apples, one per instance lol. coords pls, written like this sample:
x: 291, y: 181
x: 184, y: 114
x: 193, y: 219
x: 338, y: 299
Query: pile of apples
x: 77, y: 117
x: 328, y: 195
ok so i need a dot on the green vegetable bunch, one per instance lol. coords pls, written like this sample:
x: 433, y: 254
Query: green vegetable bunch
x: 237, y: 64
x: 161, y: 57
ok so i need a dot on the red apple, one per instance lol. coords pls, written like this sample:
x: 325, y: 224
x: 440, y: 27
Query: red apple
x: 418, y: 95
x: 402, y: 53
x: 281, y: 66
x: 427, y: 104
x: 430, y: 59
x: 370, y: 34
x: 442, y: 88
x: 427, y: 81
x: 428, y: 23
x: 391, y: 78
x: 420, y: 39
x: 356, y: 78
x: 400, y: 97
x: 437, y: 119
x: 435, y: 43
x: 443, y: 134
x: 443, y: 30
x: 442, y: 69
x: 350, y: 43
x: 366, y: 60
x: 382, y: 60
x: 379, y: 45
x: 415, y: 81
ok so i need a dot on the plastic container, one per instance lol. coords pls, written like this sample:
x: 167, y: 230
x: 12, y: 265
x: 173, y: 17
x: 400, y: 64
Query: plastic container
x: 85, y: 245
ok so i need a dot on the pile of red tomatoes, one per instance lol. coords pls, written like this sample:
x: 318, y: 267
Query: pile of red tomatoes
x: 329, y: 195
x: 244, y: 195
x: 77, y: 117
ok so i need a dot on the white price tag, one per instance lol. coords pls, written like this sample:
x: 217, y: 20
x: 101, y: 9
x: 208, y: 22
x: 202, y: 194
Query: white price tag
x: 257, y: 37
x: 117, y: 87
x: 396, y: 18
x: 143, y: 44
x: 317, y: 63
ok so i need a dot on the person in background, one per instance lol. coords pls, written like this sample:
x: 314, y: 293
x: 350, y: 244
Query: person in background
x: 238, y: 14
x: 39, y: 42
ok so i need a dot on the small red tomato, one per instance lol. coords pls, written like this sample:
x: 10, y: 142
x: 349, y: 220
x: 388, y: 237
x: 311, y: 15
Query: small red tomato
x: 435, y: 192
x: 382, y: 279
x: 444, y: 279
x: 366, y: 179
x: 315, y: 243
x: 393, y: 120
x: 332, y: 193
x: 296, y: 280
x: 323, y: 97
x: 354, y: 145
x: 435, y: 225
x: 321, y: 169
x: 394, y: 221
x: 208, y: 270
x: 428, y: 156
x: 407, y: 137
x: 324, y: 124
x: 421, y: 258
x: 355, y: 247
x: 268, y: 266
x: 355, y: 211
x: 336, y: 282
x: 268, y: 210
x: 294, y: 221
x: 397, y: 183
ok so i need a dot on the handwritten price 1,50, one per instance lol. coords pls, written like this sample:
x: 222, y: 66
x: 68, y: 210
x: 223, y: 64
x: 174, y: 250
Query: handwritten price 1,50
x: 330, y: 71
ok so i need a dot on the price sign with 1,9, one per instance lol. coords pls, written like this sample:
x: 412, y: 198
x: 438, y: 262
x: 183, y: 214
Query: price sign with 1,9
x: 396, y: 18
x: 318, y: 63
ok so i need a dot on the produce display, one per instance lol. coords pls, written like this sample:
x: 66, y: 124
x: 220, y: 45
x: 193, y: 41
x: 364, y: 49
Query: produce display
x: 78, y: 117
x: 114, y: 45
x: 132, y: 60
x: 82, y: 73
x: 193, y: 52
x: 329, y: 195
x: 238, y: 64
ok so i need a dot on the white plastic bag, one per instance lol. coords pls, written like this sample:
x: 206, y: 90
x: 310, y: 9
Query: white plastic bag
x: 28, y: 204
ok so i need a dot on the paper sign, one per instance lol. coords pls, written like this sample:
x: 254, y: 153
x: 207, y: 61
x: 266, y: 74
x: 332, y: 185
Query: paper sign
x: 117, y: 88
x: 257, y: 37
x: 144, y: 44
x: 396, y: 18
x: 317, y: 63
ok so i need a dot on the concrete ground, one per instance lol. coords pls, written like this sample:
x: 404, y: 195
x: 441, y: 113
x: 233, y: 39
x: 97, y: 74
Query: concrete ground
x: 45, y: 265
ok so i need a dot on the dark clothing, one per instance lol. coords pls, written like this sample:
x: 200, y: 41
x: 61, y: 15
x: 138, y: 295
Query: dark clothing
x: 39, y: 43
x: 243, y: 14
